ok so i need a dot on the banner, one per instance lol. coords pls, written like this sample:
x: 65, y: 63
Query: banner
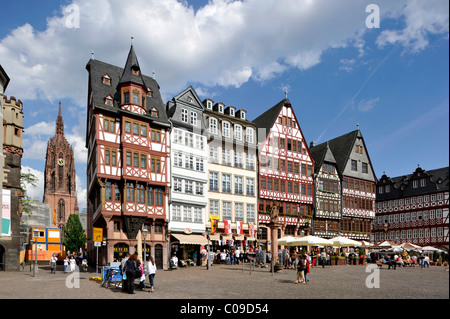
x: 240, y: 229
x: 213, y: 226
x: 251, y: 227
x: 6, y: 212
x: 227, y: 225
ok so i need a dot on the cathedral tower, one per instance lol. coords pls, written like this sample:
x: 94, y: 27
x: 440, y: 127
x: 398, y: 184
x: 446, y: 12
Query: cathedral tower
x: 59, y: 185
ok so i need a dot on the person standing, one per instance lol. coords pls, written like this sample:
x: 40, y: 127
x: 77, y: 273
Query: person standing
x: 72, y: 264
x: 122, y: 272
x: 53, y: 260
x: 130, y: 269
x: 307, y: 266
x: 151, y: 270
x: 300, y: 271
x: 66, y: 264
x: 323, y: 257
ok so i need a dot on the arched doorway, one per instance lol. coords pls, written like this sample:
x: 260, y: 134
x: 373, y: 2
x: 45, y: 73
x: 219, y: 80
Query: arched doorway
x: 2, y: 259
x: 159, y: 256
x: 120, y: 250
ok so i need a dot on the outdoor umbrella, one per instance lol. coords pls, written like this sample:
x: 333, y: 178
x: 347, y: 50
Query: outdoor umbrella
x: 310, y: 241
x: 409, y: 246
x: 429, y: 248
x: 365, y: 244
x: 284, y: 240
x: 344, y: 242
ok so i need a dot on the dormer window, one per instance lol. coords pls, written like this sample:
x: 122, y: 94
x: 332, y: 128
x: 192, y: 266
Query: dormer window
x: 154, y: 112
x: 231, y: 112
x: 220, y: 108
x: 106, y: 79
x: 209, y: 105
x: 109, y: 100
x: 135, y: 71
x: 149, y: 92
x: 242, y: 115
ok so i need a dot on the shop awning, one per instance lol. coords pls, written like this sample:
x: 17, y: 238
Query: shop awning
x: 251, y: 238
x: 214, y: 237
x: 239, y: 237
x: 190, y: 239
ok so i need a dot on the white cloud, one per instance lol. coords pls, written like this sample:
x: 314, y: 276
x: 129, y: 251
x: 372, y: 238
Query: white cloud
x: 423, y: 18
x: 367, y: 105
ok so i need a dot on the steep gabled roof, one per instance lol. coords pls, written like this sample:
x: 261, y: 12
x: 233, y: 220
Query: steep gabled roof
x: 132, y: 64
x: 322, y: 153
x: 268, y: 118
x: 97, y: 69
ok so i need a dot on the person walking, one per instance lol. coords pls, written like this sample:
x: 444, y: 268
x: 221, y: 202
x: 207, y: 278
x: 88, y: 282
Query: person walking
x: 53, y: 260
x: 130, y: 269
x: 122, y: 272
x: 151, y: 270
x: 307, y: 266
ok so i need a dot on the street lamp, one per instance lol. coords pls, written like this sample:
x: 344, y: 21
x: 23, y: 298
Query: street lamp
x: 145, y: 233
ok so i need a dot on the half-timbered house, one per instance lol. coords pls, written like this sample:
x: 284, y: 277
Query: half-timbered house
x: 285, y: 171
x: 413, y: 208
x: 127, y: 136
x: 358, y: 185
x: 327, y: 193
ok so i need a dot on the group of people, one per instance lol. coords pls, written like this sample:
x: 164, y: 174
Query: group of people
x: 231, y: 257
x: 131, y: 268
x: 70, y: 263
x: 397, y: 260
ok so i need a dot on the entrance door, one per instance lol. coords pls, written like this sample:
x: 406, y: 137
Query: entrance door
x: 159, y: 256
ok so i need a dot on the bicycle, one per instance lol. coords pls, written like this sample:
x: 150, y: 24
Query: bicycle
x: 110, y: 273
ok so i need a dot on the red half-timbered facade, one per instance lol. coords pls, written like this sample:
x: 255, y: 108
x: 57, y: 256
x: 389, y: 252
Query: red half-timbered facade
x: 414, y: 208
x: 285, y: 170
x: 127, y: 172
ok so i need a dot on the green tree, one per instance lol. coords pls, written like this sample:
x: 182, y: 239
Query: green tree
x: 27, y: 179
x: 74, y: 236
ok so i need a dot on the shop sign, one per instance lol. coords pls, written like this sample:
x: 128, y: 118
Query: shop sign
x: 188, y: 231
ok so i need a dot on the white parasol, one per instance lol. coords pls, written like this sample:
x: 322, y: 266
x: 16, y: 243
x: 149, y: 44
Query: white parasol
x: 341, y: 241
x: 284, y: 240
x: 310, y: 241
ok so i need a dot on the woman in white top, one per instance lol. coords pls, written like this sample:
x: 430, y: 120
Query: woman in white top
x: 151, y: 270
x: 72, y: 264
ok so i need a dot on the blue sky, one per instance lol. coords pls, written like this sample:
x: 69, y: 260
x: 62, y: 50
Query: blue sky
x: 392, y: 80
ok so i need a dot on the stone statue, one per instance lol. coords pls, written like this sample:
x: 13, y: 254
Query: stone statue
x: 274, y: 211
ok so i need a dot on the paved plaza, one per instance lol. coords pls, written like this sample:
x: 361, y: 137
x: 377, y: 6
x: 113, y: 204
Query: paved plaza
x: 231, y: 282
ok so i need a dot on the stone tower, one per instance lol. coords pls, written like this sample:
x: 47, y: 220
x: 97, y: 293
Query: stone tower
x: 59, y: 185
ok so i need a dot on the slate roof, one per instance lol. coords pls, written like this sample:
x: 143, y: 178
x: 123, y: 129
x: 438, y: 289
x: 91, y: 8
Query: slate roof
x: 268, y: 118
x: 322, y: 153
x: 341, y: 147
x: 439, y: 178
x: 97, y: 69
x: 132, y: 64
x: 5, y: 77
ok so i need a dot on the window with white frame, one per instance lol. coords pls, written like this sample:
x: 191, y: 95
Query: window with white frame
x: 440, y: 196
x: 213, y: 154
x: 427, y: 233
x: 226, y: 129
x: 199, y: 188
x: 226, y: 156
x: 425, y: 215
x: 226, y: 183
x: 249, y: 135
x: 178, y: 136
x: 250, y: 187
x: 213, y: 126
x: 226, y: 210
x: 438, y: 213
x: 440, y: 232
x: 184, y: 115
x: 402, y: 218
x: 433, y: 232
x: 176, y: 213
x: 238, y: 132
x: 214, y: 181
x: 198, y: 216
x: 177, y: 185
x: 239, y: 185
x: 415, y: 184
x: 432, y: 214
x: 187, y: 214
x: 214, y: 207
x: 238, y: 159
x: 251, y: 213
x: 194, y: 118
x: 178, y: 159
x: 188, y: 187
x: 239, y: 212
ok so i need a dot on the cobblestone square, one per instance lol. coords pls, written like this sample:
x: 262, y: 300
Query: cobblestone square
x: 232, y: 282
